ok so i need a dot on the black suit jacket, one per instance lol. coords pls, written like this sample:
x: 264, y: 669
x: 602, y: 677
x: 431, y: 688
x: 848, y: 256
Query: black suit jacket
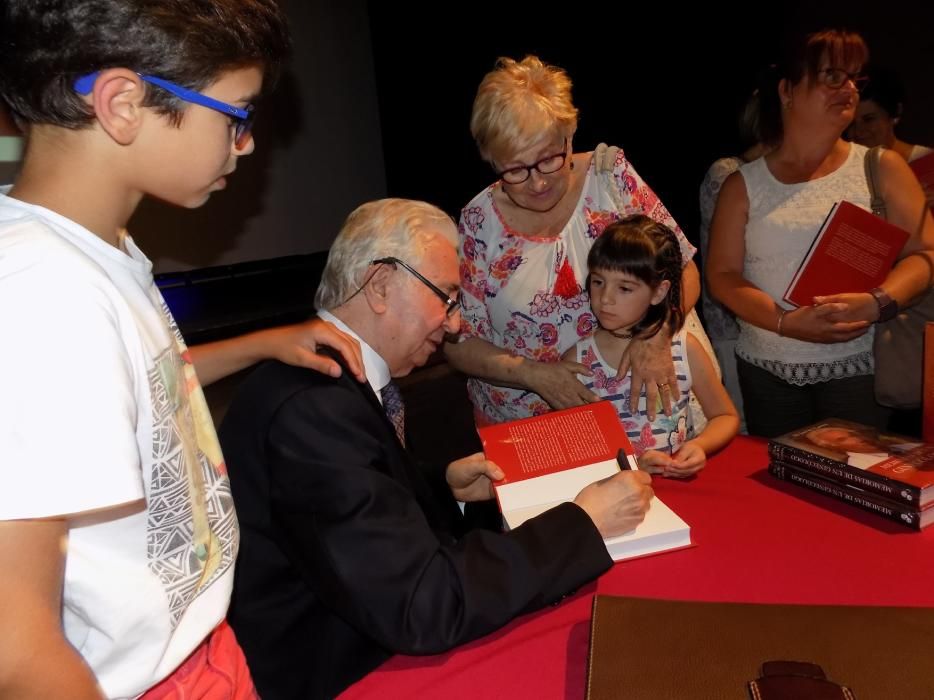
x: 350, y: 552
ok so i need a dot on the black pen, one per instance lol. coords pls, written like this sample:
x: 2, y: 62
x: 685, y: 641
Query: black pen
x: 622, y: 459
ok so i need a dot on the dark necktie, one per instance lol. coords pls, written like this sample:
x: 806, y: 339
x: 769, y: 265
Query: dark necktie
x: 395, y: 409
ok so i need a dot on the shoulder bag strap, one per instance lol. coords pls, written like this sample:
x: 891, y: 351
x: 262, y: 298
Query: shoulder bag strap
x: 871, y: 165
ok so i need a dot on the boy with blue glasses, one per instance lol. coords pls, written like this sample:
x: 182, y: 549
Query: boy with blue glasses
x: 117, y: 531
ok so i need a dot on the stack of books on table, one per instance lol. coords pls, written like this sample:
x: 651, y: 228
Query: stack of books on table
x: 890, y: 475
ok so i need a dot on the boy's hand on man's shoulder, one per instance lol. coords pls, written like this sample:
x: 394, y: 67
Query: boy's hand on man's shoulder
x: 298, y: 345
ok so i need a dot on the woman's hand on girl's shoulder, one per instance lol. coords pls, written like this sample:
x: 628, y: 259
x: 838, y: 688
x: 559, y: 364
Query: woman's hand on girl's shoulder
x: 653, y: 372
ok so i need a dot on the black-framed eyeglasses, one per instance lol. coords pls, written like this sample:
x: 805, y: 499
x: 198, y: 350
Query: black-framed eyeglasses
x: 451, y: 304
x: 836, y: 78
x: 546, y: 166
x: 244, y: 117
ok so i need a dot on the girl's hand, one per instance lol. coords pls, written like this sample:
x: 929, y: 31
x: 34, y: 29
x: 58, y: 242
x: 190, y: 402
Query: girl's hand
x: 654, y: 462
x: 687, y: 461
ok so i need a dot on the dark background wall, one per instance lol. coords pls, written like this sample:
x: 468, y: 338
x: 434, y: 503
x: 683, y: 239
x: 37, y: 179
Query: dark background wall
x: 377, y: 102
x: 318, y: 155
x: 665, y: 84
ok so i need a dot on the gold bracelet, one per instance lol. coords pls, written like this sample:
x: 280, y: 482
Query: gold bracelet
x: 781, y: 317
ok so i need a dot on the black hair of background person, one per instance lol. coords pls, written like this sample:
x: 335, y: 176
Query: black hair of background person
x: 665, y: 83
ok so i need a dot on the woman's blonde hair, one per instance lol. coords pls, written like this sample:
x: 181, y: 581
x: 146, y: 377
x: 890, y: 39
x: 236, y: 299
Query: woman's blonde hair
x: 518, y: 103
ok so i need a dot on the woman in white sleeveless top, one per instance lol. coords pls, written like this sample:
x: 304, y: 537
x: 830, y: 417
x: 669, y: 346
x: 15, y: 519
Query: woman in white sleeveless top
x: 799, y: 365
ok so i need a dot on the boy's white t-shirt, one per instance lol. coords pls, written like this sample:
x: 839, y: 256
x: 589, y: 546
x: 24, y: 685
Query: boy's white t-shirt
x: 102, y: 420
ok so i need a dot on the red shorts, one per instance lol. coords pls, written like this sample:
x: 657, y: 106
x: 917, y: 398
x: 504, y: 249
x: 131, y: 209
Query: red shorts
x: 216, y: 670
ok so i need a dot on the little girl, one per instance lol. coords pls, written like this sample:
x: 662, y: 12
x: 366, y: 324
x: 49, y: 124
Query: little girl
x: 634, y: 286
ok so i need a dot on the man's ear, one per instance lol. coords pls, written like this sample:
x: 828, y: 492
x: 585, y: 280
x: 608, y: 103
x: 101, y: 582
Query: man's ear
x: 661, y: 291
x: 117, y: 100
x: 377, y: 288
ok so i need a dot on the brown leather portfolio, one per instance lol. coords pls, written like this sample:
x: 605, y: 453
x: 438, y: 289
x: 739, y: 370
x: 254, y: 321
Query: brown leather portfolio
x: 682, y: 650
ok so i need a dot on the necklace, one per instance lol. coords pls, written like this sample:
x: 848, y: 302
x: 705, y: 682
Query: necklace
x: 624, y: 335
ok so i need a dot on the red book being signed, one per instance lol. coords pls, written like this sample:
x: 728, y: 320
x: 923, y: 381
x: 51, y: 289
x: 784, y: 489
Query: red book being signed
x: 549, y: 458
x: 853, y: 252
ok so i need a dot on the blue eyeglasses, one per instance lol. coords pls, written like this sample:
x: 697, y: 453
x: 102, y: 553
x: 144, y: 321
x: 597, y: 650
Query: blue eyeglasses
x: 245, y: 117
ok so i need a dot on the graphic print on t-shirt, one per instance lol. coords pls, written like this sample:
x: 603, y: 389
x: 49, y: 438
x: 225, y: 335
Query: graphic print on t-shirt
x: 192, y: 523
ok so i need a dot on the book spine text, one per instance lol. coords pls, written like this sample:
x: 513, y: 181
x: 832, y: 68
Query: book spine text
x: 844, y: 473
x: 847, y: 494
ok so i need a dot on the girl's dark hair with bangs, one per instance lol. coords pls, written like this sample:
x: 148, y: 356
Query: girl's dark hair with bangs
x: 648, y: 250
x: 802, y: 57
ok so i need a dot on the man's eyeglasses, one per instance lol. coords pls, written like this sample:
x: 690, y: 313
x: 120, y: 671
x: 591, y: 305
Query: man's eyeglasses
x: 836, y: 78
x: 245, y: 117
x: 546, y: 166
x: 452, y: 304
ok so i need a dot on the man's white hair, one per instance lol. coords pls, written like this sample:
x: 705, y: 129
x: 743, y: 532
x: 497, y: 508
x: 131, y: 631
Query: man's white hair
x: 400, y: 228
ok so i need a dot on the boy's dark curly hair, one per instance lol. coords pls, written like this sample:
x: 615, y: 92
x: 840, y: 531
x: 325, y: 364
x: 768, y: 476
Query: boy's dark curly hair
x: 45, y: 45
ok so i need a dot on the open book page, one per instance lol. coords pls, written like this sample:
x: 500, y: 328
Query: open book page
x: 662, y: 529
x: 549, y: 459
x: 525, y: 499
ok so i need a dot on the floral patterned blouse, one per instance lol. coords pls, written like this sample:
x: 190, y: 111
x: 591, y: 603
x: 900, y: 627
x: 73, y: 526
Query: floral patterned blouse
x: 526, y: 293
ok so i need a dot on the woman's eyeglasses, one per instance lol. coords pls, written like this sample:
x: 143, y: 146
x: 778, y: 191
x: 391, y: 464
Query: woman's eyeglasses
x: 546, y: 166
x: 836, y: 78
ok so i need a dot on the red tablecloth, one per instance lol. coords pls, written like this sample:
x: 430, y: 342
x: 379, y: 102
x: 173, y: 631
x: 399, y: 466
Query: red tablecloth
x: 758, y: 540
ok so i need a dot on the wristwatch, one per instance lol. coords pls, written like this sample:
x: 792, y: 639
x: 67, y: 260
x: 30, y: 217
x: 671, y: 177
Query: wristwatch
x: 888, y: 307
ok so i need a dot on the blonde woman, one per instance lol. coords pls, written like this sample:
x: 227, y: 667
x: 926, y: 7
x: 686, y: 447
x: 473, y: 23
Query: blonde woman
x: 524, y: 242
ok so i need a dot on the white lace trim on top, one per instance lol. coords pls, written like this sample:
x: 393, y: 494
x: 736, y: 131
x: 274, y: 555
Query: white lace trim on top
x: 804, y: 373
